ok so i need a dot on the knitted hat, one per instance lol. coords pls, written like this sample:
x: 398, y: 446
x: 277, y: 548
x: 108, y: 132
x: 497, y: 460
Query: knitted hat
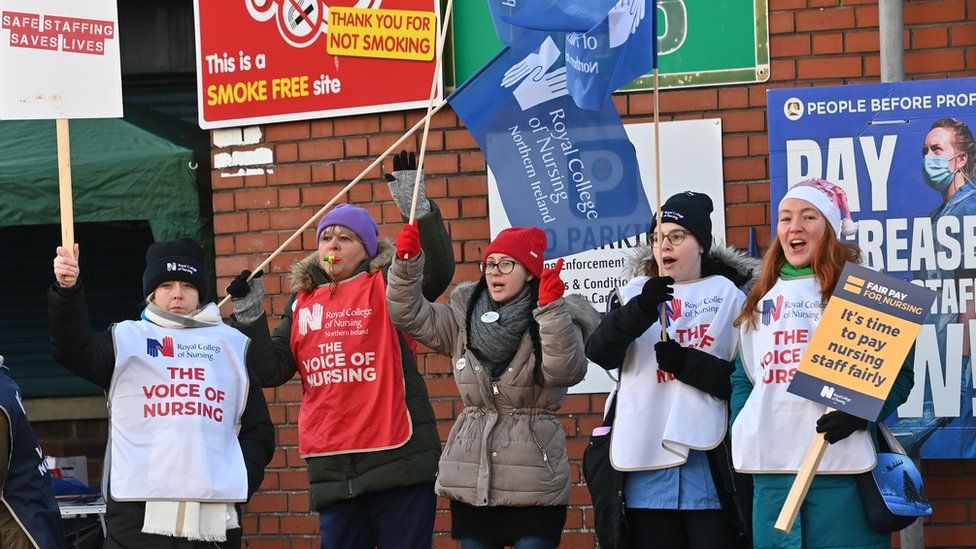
x: 830, y: 199
x: 356, y: 220
x: 526, y: 245
x: 691, y: 210
x: 181, y: 260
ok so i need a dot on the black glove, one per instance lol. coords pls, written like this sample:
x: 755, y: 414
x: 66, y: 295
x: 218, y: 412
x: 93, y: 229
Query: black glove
x: 401, y: 162
x: 657, y: 290
x: 837, y: 425
x: 239, y: 287
x: 671, y: 356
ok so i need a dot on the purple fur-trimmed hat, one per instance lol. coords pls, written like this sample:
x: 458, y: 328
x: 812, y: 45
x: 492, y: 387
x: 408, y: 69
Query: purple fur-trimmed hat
x: 355, y: 219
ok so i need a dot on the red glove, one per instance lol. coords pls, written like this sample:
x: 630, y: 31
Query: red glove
x: 551, y: 287
x: 408, y: 242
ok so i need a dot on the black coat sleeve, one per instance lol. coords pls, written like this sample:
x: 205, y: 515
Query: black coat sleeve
x: 88, y: 355
x: 439, y: 251
x: 608, y: 344
x: 707, y: 373
x: 257, y: 435
x: 272, y: 363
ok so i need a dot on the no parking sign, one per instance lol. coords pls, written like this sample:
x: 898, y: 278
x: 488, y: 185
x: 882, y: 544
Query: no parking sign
x: 261, y: 61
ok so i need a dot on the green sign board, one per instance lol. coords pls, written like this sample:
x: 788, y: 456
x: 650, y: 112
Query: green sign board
x: 701, y: 42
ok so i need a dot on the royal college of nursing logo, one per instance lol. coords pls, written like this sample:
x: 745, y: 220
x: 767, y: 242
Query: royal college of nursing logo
x: 154, y: 348
x: 673, y: 309
x: 771, y: 310
x: 310, y: 319
x: 536, y: 83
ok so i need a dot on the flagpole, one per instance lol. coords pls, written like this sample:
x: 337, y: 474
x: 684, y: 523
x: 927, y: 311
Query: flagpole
x: 657, y: 179
x: 438, y: 51
x: 338, y: 195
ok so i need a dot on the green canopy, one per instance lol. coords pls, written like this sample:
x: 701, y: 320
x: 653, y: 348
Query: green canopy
x: 125, y: 173
x: 121, y: 169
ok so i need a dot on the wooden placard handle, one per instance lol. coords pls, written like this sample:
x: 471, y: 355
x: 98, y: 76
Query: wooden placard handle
x: 801, y: 485
x: 64, y: 190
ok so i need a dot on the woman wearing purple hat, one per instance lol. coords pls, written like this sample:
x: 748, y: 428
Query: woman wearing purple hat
x: 365, y: 426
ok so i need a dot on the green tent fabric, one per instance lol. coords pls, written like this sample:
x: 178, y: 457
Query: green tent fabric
x: 122, y: 169
x: 125, y: 172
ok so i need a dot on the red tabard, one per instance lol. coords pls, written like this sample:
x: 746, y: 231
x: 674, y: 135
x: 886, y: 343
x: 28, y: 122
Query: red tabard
x: 348, y: 355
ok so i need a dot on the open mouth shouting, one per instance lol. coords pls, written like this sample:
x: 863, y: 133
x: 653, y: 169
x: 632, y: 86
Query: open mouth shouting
x: 798, y: 245
x: 497, y: 288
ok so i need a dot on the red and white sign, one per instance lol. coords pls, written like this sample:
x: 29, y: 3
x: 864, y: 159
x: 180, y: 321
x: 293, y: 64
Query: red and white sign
x: 59, y: 59
x: 261, y: 61
x: 348, y: 355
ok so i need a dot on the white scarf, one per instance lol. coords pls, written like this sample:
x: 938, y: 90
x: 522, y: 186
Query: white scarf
x: 192, y: 520
x: 208, y: 315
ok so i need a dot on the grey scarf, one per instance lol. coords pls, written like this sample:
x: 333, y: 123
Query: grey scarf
x: 496, y: 342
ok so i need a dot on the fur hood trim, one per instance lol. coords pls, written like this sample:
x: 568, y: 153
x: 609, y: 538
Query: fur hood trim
x: 580, y: 310
x: 308, y: 274
x: 722, y: 260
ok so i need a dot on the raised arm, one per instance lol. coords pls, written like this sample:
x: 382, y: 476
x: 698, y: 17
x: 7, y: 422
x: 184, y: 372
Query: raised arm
x: 88, y: 355
x: 431, y: 324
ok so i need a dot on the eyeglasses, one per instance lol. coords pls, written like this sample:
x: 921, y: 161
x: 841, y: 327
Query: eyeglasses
x: 505, y: 266
x: 674, y: 237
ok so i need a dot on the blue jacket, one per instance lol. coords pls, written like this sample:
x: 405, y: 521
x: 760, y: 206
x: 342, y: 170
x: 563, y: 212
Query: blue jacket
x: 26, y: 488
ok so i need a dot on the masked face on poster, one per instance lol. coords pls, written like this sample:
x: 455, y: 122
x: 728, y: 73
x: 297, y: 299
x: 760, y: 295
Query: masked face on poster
x: 942, y: 162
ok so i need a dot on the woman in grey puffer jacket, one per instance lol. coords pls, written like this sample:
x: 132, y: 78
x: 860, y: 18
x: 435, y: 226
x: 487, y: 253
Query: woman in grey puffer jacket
x: 504, y: 466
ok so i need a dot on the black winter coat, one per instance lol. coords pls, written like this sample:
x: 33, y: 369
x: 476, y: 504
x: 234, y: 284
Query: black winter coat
x: 91, y: 356
x: 710, y: 374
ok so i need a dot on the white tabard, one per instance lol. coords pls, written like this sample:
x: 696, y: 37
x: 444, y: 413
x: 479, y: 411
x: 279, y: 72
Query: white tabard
x: 774, y: 429
x: 659, y: 419
x: 176, y: 400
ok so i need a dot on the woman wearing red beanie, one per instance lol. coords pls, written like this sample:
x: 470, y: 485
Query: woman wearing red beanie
x: 516, y: 345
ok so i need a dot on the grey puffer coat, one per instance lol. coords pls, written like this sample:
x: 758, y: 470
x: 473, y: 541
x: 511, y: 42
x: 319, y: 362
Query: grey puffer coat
x: 507, y: 448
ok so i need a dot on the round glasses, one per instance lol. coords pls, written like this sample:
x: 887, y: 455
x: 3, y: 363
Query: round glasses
x: 674, y: 237
x: 505, y: 266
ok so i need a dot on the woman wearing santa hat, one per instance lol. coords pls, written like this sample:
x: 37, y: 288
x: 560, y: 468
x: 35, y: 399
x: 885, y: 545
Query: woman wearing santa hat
x: 771, y: 428
x: 516, y: 346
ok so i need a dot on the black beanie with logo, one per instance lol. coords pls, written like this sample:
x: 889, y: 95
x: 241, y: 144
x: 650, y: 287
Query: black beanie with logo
x: 691, y: 210
x: 181, y: 260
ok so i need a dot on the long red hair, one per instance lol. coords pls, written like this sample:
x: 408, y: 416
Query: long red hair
x: 828, y: 262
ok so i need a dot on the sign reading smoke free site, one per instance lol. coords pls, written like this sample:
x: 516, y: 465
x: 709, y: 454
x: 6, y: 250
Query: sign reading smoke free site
x: 263, y: 61
x: 863, y: 338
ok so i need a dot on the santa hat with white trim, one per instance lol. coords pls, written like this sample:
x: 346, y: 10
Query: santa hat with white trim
x: 830, y: 199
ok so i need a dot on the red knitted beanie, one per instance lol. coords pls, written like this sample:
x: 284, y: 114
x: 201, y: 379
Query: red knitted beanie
x: 525, y: 245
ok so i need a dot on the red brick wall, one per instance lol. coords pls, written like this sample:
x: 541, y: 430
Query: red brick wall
x: 79, y: 437
x: 812, y: 42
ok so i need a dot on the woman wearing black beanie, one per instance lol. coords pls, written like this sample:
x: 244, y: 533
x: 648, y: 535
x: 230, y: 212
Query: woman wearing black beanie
x: 668, y: 434
x: 190, y: 433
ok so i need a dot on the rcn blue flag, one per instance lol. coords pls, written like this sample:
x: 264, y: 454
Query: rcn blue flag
x: 571, y: 172
x: 618, y: 49
x: 513, y: 18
